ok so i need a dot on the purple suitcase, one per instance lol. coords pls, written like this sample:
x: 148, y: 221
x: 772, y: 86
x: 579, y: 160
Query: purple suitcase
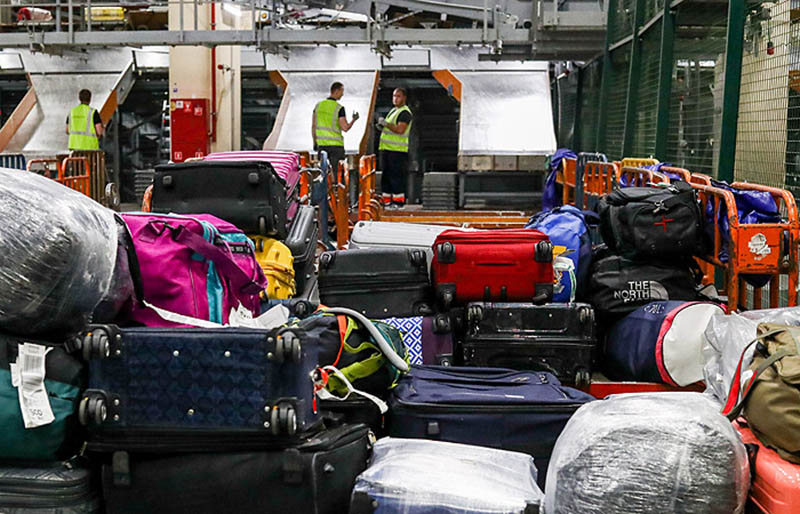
x: 429, y: 339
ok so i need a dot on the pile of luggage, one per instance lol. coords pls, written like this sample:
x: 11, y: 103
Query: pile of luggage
x: 150, y: 366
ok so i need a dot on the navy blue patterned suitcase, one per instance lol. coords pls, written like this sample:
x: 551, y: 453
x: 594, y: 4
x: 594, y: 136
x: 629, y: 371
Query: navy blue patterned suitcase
x: 500, y: 408
x: 187, y: 382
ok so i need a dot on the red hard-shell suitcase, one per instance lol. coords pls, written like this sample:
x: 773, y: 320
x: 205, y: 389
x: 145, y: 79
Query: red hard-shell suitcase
x: 775, y: 487
x: 493, y: 265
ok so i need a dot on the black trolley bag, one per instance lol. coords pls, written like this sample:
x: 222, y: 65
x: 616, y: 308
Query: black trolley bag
x: 248, y: 194
x: 555, y: 337
x: 521, y: 411
x: 652, y: 222
x: 150, y: 384
x: 377, y: 282
x: 302, y: 242
x: 311, y: 474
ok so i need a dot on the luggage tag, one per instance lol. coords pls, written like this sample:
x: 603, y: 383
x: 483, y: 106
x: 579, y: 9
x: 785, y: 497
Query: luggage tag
x: 275, y: 317
x: 27, y: 375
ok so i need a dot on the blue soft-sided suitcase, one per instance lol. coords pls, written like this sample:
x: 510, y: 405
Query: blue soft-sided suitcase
x: 186, y: 382
x: 500, y: 408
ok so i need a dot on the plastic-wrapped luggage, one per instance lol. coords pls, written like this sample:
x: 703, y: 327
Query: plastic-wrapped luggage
x: 725, y: 338
x: 415, y: 476
x: 648, y: 453
x: 57, y: 254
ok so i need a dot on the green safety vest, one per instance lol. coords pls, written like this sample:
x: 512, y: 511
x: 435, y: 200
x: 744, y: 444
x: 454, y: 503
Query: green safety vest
x: 82, y: 134
x: 391, y: 140
x: 328, y: 131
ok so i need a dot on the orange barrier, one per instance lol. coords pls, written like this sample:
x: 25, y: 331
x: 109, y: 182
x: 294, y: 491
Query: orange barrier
x: 305, y: 179
x: 337, y: 192
x: 72, y: 172
x: 685, y: 174
x: 763, y: 248
x: 50, y: 168
x: 369, y: 206
x: 640, y: 177
x: 76, y: 174
x: 147, y: 199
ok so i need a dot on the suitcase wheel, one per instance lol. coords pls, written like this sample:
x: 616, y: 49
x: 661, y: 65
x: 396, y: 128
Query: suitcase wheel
x: 582, y: 377
x: 92, y: 409
x: 543, y: 252
x: 95, y: 344
x: 283, y: 420
x: 441, y: 324
x: 417, y: 258
x: 287, y: 347
x: 446, y: 253
x: 325, y: 260
x: 446, y: 296
x: 262, y: 226
x: 474, y: 313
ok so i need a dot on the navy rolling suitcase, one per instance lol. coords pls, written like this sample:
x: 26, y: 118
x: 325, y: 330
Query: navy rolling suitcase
x: 313, y: 475
x: 499, y: 408
x: 186, y: 382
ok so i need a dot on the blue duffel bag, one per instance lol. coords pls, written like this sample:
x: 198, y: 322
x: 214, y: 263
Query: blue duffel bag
x: 660, y: 342
x: 522, y: 411
x: 568, y: 227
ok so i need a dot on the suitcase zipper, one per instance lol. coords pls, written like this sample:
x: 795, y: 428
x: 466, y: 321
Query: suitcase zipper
x: 456, y: 407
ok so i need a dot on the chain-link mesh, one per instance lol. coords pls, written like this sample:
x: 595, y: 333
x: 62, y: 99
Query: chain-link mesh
x: 695, y: 117
x: 644, y: 136
x: 615, y: 103
x: 591, y: 77
x: 763, y: 151
x: 622, y: 19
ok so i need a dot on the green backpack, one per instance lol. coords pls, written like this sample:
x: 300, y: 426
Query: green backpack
x: 63, y: 382
x: 347, y: 344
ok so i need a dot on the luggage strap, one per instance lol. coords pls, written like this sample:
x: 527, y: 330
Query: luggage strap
x: 735, y: 404
x: 324, y: 394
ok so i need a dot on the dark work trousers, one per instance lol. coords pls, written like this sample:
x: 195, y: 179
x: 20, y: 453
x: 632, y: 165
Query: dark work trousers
x: 395, y: 173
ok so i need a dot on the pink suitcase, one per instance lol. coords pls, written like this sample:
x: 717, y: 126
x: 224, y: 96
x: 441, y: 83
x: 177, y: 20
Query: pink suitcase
x: 775, y: 485
x: 286, y: 165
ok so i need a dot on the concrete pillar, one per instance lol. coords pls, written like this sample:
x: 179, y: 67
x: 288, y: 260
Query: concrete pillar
x: 190, y: 68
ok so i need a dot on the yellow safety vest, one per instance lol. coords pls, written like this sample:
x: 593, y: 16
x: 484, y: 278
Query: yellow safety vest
x: 391, y: 140
x: 328, y: 131
x: 82, y: 134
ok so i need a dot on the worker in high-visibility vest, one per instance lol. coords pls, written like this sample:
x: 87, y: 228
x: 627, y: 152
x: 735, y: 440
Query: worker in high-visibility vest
x: 328, y: 123
x: 395, y: 128
x: 84, y: 125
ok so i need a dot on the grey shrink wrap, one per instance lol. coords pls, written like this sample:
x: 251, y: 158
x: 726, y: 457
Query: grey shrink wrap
x: 725, y: 338
x: 653, y: 453
x: 419, y: 476
x: 57, y: 253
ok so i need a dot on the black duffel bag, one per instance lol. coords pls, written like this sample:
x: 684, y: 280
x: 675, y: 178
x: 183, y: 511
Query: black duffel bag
x: 648, y: 222
x: 619, y: 286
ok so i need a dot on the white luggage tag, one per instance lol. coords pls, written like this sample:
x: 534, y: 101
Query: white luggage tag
x: 27, y: 375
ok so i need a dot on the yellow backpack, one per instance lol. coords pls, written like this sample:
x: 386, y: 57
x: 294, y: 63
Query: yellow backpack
x: 277, y: 262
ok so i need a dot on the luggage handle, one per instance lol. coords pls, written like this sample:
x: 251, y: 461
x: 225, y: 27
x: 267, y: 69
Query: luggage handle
x: 224, y: 261
x: 397, y: 361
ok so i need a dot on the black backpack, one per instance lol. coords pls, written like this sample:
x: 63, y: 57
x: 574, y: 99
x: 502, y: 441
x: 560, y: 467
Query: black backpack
x: 649, y: 222
x: 619, y: 286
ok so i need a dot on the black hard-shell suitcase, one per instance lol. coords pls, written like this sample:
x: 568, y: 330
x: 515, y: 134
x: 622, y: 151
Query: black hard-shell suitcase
x: 378, y: 282
x: 556, y: 337
x: 248, y: 194
x: 313, y: 476
x: 48, y: 488
x: 147, y: 383
x: 302, y: 241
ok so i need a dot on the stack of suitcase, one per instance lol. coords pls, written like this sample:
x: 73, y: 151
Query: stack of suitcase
x: 265, y: 186
x: 440, y: 191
